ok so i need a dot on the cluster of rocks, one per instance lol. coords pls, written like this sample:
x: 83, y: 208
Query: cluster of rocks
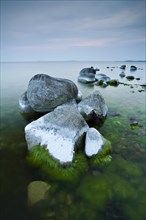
x: 132, y: 68
x: 88, y: 75
x: 64, y: 128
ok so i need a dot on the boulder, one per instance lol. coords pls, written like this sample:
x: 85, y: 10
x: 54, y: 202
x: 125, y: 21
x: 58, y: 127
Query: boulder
x: 93, y: 142
x: 130, y: 77
x: 122, y: 74
x: 102, y: 77
x: 133, y: 68
x: 24, y: 105
x: 61, y: 131
x: 93, y: 107
x: 87, y: 75
x: 45, y: 93
x: 123, y: 67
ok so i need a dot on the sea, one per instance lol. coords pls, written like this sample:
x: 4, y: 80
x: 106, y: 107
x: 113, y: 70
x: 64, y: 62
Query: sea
x: 115, y: 191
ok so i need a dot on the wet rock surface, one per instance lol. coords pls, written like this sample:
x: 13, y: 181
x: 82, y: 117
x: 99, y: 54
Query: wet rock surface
x: 45, y: 93
x: 93, y: 107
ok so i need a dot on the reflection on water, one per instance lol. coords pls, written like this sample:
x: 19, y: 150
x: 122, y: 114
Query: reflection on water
x: 115, y: 191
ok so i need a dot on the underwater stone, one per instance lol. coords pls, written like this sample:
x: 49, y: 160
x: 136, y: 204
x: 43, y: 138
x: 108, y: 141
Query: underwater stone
x: 45, y: 93
x: 94, y: 142
x: 37, y: 191
x: 93, y: 107
x: 60, y: 131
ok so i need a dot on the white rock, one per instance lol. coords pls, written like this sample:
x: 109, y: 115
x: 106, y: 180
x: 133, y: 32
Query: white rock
x: 60, y: 131
x: 94, y: 142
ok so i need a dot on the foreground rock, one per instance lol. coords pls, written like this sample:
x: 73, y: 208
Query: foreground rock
x: 45, y: 93
x: 93, y: 107
x: 87, y: 75
x: 94, y: 142
x: 61, y: 131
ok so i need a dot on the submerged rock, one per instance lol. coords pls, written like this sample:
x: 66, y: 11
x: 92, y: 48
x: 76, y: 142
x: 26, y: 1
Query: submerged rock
x: 61, y: 131
x: 37, y: 192
x: 45, y: 93
x: 93, y: 107
x: 94, y: 142
x: 87, y: 75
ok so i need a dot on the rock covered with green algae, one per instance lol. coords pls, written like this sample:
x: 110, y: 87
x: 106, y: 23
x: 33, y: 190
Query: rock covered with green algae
x: 39, y: 157
x: 57, y: 140
x: 61, y: 131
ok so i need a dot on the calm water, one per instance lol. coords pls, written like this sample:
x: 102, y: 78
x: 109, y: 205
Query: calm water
x: 118, y: 190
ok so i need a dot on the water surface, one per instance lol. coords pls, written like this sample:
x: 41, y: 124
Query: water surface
x: 116, y: 191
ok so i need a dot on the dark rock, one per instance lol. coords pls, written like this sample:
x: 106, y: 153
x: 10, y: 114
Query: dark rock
x: 122, y: 74
x: 133, y: 68
x: 93, y: 107
x: 113, y: 82
x: 87, y: 75
x: 130, y: 77
x: 45, y: 93
x: 123, y: 67
x: 137, y: 78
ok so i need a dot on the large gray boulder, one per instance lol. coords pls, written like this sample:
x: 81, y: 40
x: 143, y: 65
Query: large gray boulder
x: 61, y: 131
x: 87, y: 75
x: 44, y: 93
x: 93, y: 107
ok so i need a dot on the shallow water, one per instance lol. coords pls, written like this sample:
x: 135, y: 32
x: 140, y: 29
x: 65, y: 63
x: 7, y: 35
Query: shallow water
x: 115, y: 191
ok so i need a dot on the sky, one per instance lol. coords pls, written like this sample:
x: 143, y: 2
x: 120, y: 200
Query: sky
x: 102, y: 30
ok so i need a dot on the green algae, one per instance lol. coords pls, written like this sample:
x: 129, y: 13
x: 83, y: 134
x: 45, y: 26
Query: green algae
x: 40, y: 158
x: 103, y: 156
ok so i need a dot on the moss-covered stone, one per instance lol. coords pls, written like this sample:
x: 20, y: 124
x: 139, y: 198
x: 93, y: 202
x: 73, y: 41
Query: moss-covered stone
x: 40, y: 158
x: 103, y: 156
x: 113, y: 82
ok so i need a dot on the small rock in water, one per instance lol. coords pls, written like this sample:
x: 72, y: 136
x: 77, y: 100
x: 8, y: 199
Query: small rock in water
x: 123, y: 67
x: 122, y: 74
x: 133, y: 68
x: 130, y: 77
